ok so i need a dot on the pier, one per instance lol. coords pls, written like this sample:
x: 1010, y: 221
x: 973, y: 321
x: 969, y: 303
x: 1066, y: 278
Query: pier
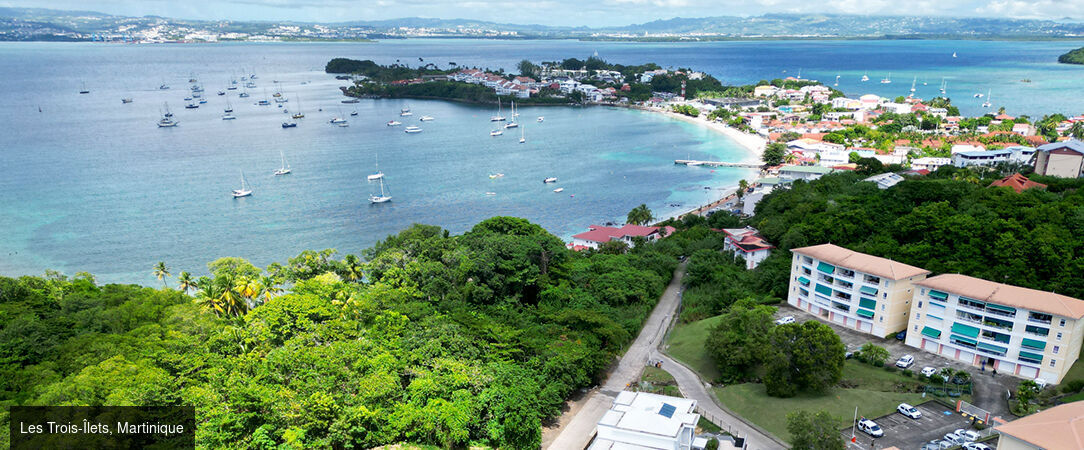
x: 692, y: 162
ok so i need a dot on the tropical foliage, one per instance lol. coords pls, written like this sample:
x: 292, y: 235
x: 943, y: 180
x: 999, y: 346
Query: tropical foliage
x: 435, y: 339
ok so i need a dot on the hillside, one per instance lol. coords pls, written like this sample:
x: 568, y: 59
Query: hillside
x: 1073, y: 57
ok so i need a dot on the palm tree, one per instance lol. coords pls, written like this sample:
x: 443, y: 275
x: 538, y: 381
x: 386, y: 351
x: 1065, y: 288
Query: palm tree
x: 742, y: 186
x: 185, y: 282
x: 639, y: 215
x: 161, y: 272
x: 352, y: 270
x: 270, y: 288
x: 790, y: 158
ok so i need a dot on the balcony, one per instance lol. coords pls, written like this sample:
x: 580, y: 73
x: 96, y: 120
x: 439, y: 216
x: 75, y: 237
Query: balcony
x: 998, y: 312
x: 845, y: 273
x: 842, y: 296
x: 844, y: 284
x: 998, y: 325
x: 1036, y: 320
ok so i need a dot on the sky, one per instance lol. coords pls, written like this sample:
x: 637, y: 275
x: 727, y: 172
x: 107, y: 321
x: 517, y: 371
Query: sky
x: 552, y: 12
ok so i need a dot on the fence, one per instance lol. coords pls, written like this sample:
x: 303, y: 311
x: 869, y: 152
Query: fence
x: 973, y: 412
x: 725, y: 427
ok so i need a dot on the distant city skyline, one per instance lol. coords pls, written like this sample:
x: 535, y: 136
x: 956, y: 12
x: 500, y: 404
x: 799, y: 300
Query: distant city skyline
x: 563, y: 12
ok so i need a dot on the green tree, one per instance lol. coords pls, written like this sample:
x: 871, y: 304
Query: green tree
x: 185, y: 282
x: 640, y: 215
x: 1077, y: 130
x: 874, y: 354
x: 814, y: 431
x: 807, y: 356
x: 774, y: 154
x: 527, y: 68
x: 742, y: 186
x: 613, y: 247
x: 739, y: 342
x: 161, y: 272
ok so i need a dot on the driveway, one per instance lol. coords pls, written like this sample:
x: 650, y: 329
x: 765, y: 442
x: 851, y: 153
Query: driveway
x: 988, y: 390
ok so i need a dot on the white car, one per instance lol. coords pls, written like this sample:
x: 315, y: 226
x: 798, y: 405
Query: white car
x: 953, y: 438
x: 870, y: 427
x: 1041, y: 383
x: 909, y: 411
x: 928, y: 371
x: 976, y: 446
x: 966, y: 435
x: 784, y: 320
x: 905, y: 362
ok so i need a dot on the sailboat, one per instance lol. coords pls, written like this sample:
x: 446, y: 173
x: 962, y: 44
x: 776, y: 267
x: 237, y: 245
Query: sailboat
x: 887, y: 79
x: 496, y: 132
x: 987, y: 103
x: 384, y: 197
x: 513, y: 123
x: 405, y: 112
x: 953, y: 54
x: 298, y: 114
x: 378, y: 175
x: 522, y: 135
x: 285, y: 169
x: 498, y: 117
x: 84, y: 90
x: 245, y: 190
x: 943, y: 86
x: 229, y: 107
x: 913, y: 84
x: 865, y: 76
x: 837, y: 80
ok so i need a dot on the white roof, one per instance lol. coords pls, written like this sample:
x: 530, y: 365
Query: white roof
x: 643, y: 412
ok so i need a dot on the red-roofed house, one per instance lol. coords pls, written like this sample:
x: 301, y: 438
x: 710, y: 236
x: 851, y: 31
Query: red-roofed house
x: 597, y: 235
x: 1017, y: 182
x: 747, y: 243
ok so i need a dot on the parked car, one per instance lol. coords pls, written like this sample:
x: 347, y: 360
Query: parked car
x: 784, y: 320
x: 967, y: 435
x: 928, y: 371
x: 954, y: 439
x: 909, y: 411
x: 870, y: 427
x: 944, y: 445
x: 901, y: 335
x: 905, y: 361
x: 1041, y: 383
x: 976, y: 446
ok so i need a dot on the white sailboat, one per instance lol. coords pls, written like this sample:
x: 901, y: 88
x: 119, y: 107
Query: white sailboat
x: 498, y: 117
x: 285, y: 169
x: 412, y: 129
x: 522, y: 135
x: 384, y: 197
x: 865, y: 76
x: 887, y: 79
x: 298, y: 114
x: 512, y: 123
x: 405, y: 112
x: 837, y: 80
x: 245, y: 190
x: 913, y: 84
x: 496, y: 132
x: 987, y: 103
x: 378, y: 175
x: 953, y: 54
x: 227, y: 114
x: 166, y: 121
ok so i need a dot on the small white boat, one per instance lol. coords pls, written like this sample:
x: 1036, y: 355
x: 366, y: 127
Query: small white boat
x: 887, y: 79
x: 342, y: 124
x: 498, y: 117
x: 166, y: 122
x: 393, y: 123
x: 491, y: 193
x: 384, y: 197
x: 228, y: 116
x: 522, y: 135
x: 953, y: 54
x: 353, y: 113
x: 221, y: 92
x: 559, y: 190
x: 337, y: 120
x: 495, y: 175
x: 426, y: 118
x: 496, y: 132
x: 245, y: 190
x: 263, y: 103
x: 413, y: 130
x: 289, y: 124
x: 285, y: 169
x: 511, y: 125
x: 865, y: 77
x: 978, y: 95
x: 163, y: 87
x: 988, y: 103
x: 540, y: 118
x: 378, y: 175
x: 126, y: 100
x: 550, y: 180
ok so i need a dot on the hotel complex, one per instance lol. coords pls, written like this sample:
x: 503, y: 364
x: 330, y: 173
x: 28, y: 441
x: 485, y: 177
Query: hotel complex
x: 1015, y: 330
x: 856, y: 290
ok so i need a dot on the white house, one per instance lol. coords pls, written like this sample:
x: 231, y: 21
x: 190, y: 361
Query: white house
x: 639, y: 420
x: 748, y: 244
x: 885, y: 180
x: 981, y: 158
x: 929, y: 163
x: 597, y: 235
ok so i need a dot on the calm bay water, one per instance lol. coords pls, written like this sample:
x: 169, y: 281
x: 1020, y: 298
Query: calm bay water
x: 94, y: 185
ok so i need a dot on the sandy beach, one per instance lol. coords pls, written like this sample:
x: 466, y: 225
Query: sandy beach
x: 752, y: 143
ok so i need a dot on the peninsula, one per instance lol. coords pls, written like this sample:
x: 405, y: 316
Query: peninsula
x: 1073, y: 57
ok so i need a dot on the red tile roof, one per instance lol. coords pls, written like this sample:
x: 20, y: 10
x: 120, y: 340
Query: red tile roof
x: 605, y: 234
x: 1017, y: 182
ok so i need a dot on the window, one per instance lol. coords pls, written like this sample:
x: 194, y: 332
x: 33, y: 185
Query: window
x: 920, y: 303
x: 1056, y: 348
x: 882, y: 307
x: 882, y: 318
x: 807, y: 260
x: 806, y: 271
x: 1058, y: 337
x: 1061, y: 324
x: 1052, y: 361
x: 916, y: 326
x: 918, y: 316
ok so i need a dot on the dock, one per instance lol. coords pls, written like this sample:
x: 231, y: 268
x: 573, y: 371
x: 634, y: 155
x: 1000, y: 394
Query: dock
x: 692, y: 162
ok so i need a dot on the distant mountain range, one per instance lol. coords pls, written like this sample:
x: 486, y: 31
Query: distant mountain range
x: 47, y: 24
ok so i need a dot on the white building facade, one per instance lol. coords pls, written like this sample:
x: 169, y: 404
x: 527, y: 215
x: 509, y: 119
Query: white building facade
x: 639, y: 420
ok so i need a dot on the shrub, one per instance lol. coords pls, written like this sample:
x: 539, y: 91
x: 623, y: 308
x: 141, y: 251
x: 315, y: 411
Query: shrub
x: 1072, y: 386
x: 889, y: 368
x: 907, y: 373
x: 713, y: 444
x: 879, y: 364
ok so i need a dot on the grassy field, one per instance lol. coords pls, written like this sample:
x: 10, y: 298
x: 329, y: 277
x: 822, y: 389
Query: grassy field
x: 686, y: 344
x: 749, y: 401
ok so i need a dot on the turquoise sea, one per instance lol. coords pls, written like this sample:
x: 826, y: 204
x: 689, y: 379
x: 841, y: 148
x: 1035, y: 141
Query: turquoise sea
x: 92, y: 184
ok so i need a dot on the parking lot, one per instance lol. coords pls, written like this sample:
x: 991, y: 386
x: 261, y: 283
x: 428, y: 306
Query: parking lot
x: 911, y: 434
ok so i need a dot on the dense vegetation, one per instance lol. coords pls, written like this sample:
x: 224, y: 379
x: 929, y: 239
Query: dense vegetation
x: 1073, y: 57
x: 448, y: 90
x: 378, y: 72
x: 436, y: 339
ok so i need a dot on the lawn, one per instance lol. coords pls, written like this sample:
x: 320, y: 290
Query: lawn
x: 686, y: 344
x: 658, y: 381
x: 751, y: 402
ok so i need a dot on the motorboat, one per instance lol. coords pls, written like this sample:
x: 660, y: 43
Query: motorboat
x: 393, y: 123
x: 426, y: 118
x: 289, y: 124
x: 550, y: 180
x: 413, y: 130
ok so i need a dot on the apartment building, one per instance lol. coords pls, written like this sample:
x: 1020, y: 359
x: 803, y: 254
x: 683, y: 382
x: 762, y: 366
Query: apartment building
x: 856, y: 290
x: 1015, y: 330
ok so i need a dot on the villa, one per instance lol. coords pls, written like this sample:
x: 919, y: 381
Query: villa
x: 1014, y: 330
x: 640, y: 420
x: 864, y: 292
x: 598, y: 235
x: 748, y: 244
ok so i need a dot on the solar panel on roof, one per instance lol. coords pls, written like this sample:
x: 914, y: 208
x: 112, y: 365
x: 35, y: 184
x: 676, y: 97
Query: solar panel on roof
x: 667, y: 410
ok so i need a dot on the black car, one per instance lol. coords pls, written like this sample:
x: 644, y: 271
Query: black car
x: 901, y: 335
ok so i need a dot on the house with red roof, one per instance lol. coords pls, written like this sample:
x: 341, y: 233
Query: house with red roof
x: 598, y: 235
x: 748, y: 244
x: 1017, y: 183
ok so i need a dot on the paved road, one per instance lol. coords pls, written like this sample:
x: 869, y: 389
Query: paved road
x: 577, y: 433
x: 692, y: 387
